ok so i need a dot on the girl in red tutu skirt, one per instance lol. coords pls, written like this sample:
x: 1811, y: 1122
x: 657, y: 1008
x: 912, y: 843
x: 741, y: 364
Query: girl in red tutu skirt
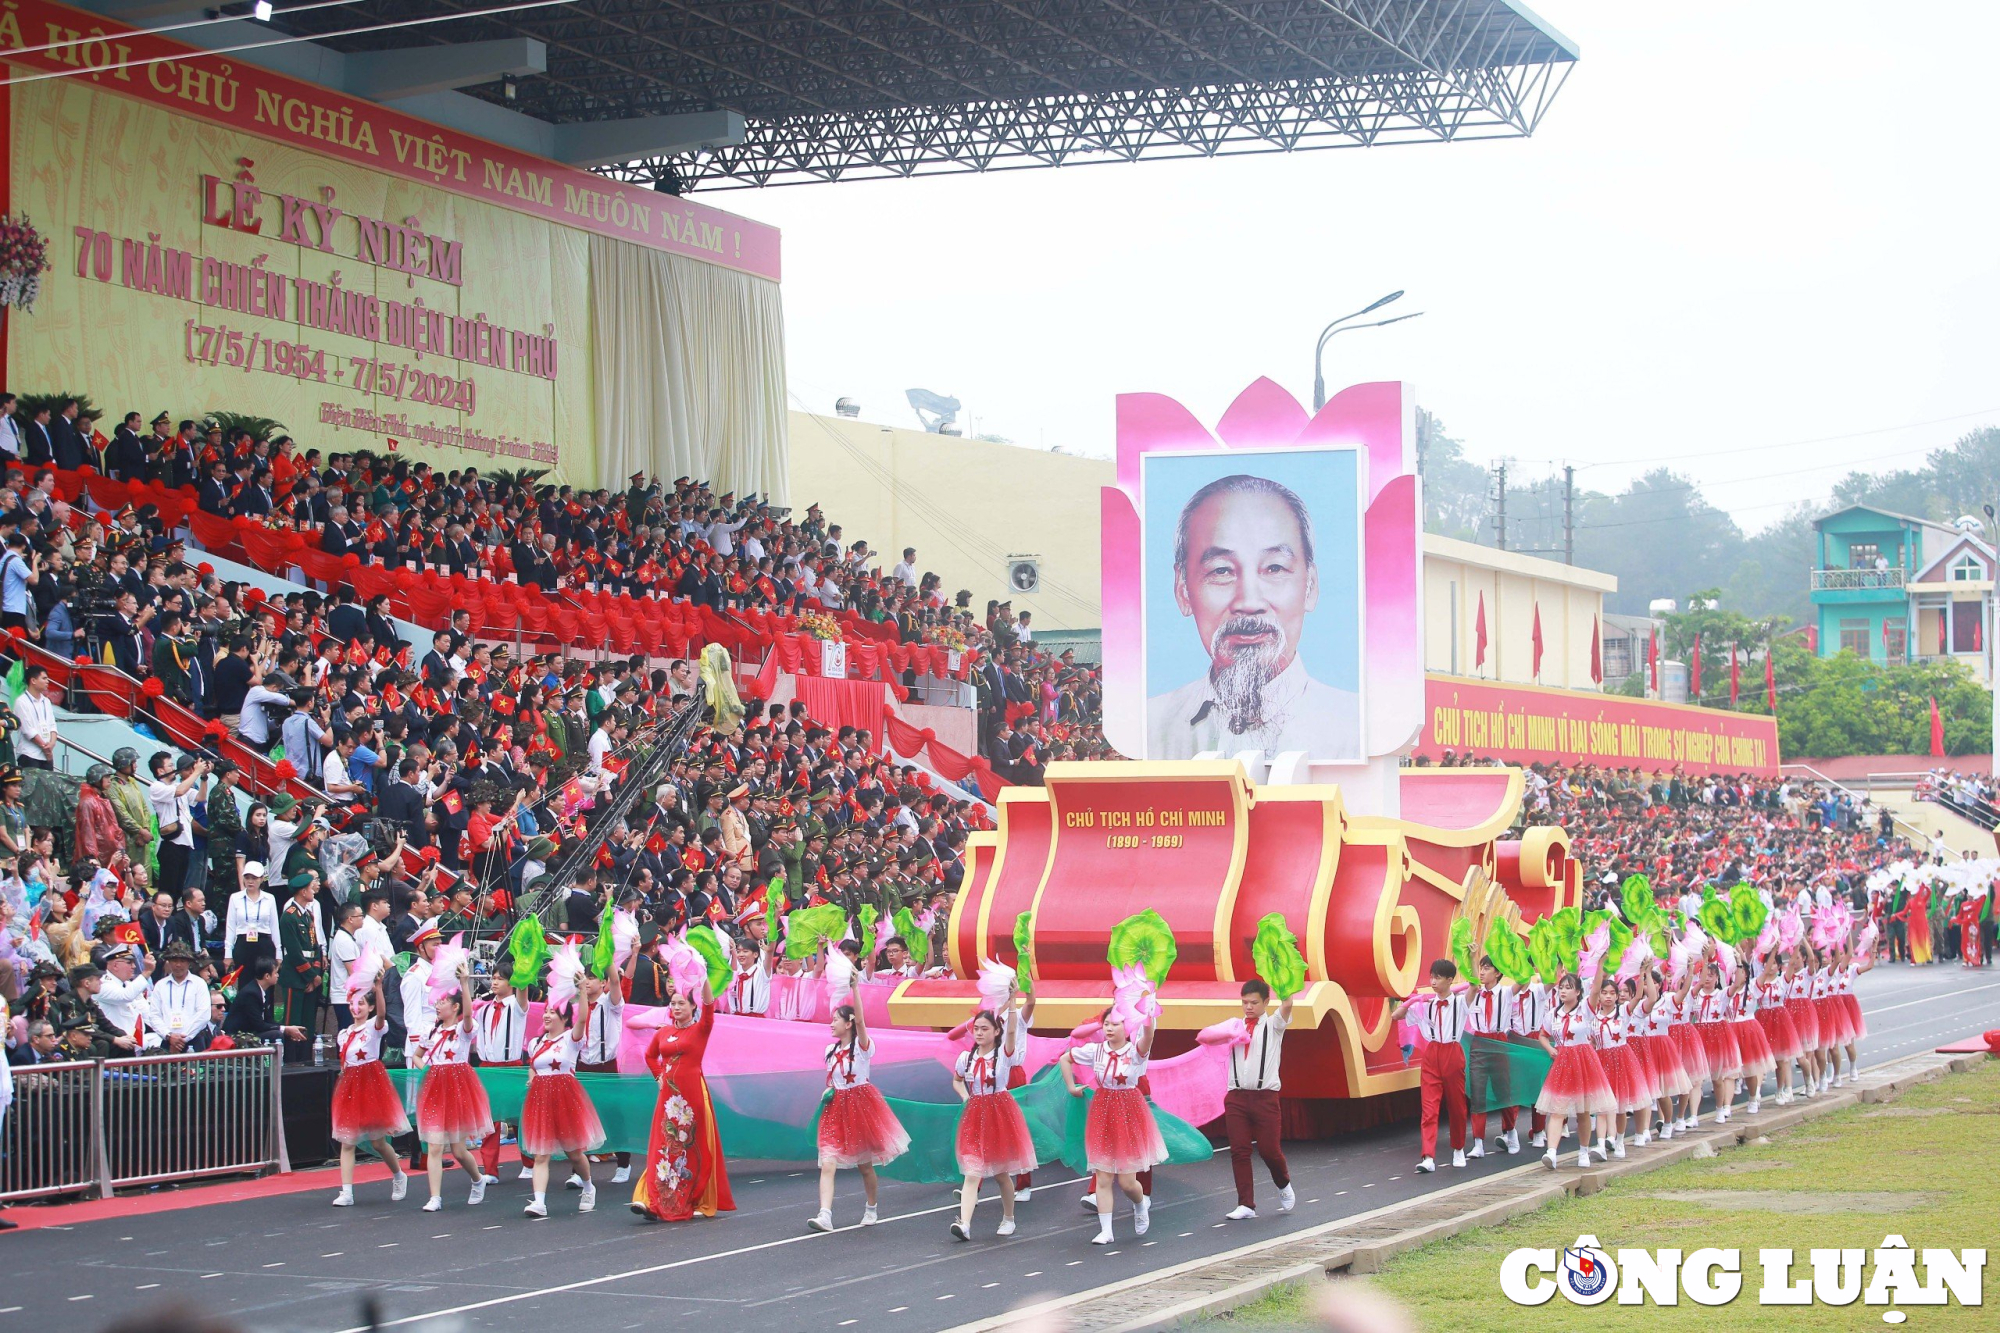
x: 452, y: 1110
x: 1576, y: 1086
x: 1769, y: 992
x: 1755, y: 1047
x: 993, y: 1139
x: 557, y: 1116
x: 1624, y: 1067
x: 857, y: 1130
x: 1120, y: 1136
x: 1656, y: 1010
x: 1712, y: 1022
x: 1804, y: 1016
x: 1832, y: 1021
x: 1853, y: 1026
x: 366, y: 1108
x: 1683, y: 1005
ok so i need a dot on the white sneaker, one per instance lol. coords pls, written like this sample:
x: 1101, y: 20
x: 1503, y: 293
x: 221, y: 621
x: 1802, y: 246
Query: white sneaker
x: 588, y: 1202
x: 1427, y: 1166
x: 489, y: 1180
x: 868, y: 1218
x: 1478, y: 1149
x: 1666, y: 1132
x: 1287, y: 1199
x: 1023, y: 1195
x: 1539, y: 1140
x: 344, y: 1199
x: 1753, y: 1108
x: 434, y: 1204
x: 1006, y: 1227
x: 1142, y: 1216
x: 1512, y: 1138
x: 621, y: 1176
x: 820, y: 1221
x: 1722, y: 1116
x: 1458, y: 1157
x: 1549, y: 1159
x: 1103, y: 1236
x: 1089, y: 1202
x: 1618, y: 1149
x: 536, y: 1208
x: 1242, y: 1212
x: 959, y: 1231
x: 527, y: 1173
x: 1583, y: 1157
x: 575, y: 1182
x: 399, y: 1185
x: 478, y: 1194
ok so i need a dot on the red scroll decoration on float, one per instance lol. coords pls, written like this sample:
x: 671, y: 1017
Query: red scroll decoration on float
x: 1371, y: 899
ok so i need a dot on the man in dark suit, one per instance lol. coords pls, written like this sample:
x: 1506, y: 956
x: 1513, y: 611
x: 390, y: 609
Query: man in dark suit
x: 153, y: 919
x: 345, y: 620
x: 254, y: 497
x: 38, y: 439
x: 66, y: 433
x: 255, y: 1009
x: 125, y: 460
x: 190, y: 927
x: 41, y: 1047
x: 402, y: 806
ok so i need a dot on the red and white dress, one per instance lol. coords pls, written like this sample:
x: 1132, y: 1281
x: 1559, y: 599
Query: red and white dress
x: 1718, y: 1039
x: 1843, y: 991
x: 557, y: 1115
x: 856, y: 1126
x: 1776, y: 1021
x: 365, y: 1104
x: 451, y: 1103
x: 1832, y: 1013
x: 1681, y: 1011
x: 1576, y: 1084
x: 1661, y: 1051
x: 1804, y: 1014
x: 1758, y: 1057
x: 1623, y: 1067
x: 993, y: 1138
x: 1120, y: 1135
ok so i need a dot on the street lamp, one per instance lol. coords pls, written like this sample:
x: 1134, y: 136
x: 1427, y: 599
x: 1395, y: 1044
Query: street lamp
x: 1342, y: 326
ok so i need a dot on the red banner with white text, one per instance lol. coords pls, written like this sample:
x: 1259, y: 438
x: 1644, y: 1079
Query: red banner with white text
x: 1526, y: 724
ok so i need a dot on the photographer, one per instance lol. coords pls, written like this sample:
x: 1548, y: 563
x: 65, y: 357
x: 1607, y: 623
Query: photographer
x: 20, y: 570
x: 120, y: 632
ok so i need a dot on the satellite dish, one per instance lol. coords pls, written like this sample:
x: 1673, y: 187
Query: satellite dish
x: 1024, y: 573
x: 934, y: 410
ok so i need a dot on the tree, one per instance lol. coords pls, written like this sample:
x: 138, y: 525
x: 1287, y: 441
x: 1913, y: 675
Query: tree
x: 1720, y: 633
x: 1454, y: 486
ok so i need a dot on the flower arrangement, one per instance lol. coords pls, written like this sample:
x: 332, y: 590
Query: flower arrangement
x: 820, y: 625
x: 24, y: 257
x: 948, y: 637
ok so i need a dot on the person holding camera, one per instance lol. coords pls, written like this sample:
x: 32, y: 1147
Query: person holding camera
x: 169, y: 797
x: 20, y: 570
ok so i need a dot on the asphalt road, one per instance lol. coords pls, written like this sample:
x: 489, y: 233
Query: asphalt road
x: 292, y: 1263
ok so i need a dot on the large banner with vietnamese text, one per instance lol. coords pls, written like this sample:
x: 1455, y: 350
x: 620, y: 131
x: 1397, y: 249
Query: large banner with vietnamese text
x: 227, y: 238
x: 1525, y: 724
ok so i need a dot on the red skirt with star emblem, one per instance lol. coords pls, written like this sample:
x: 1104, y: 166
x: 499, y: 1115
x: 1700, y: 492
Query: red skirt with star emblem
x: 857, y: 1128
x: 365, y: 1105
x: 557, y: 1117
x: 1120, y: 1135
x: 452, y: 1106
x: 993, y: 1138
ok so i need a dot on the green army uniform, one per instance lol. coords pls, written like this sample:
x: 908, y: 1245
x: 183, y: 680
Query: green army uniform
x: 301, y: 968
x: 135, y: 814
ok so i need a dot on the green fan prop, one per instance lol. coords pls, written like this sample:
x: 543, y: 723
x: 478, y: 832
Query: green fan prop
x: 1461, y: 946
x: 705, y: 941
x: 1024, y: 952
x: 1144, y: 941
x: 1545, y: 948
x: 529, y: 947
x: 1566, y: 923
x: 607, y: 948
x: 1621, y: 940
x: 916, y: 941
x: 1275, y: 952
x: 1636, y: 897
x: 810, y: 927
x: 1714, y: 916
x: 774, y: 908
x: 1509, y: 953
x: 870, y: 914
x: 1748, y: 911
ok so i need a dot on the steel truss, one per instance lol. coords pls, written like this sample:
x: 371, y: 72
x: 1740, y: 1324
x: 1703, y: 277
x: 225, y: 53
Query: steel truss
x: 856, y: 89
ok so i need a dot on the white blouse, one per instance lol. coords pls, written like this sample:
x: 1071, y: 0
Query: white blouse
x: 847, y: 1065
x: 1117, y: 1069
x: 553, y: 1055
x: 985, y: 1074
x: 360, y: 1044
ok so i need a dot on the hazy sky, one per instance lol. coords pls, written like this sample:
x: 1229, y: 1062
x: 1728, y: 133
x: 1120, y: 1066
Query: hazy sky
x: 1741, y: 229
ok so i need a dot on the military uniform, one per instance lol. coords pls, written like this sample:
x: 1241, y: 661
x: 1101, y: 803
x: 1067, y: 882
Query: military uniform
x: 301, y: 968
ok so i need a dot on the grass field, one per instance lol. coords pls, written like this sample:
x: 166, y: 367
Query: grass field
x: 1925, y: 1166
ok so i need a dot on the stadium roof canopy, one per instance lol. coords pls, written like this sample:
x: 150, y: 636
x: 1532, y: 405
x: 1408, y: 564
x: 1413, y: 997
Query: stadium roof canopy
x: 823, y: 90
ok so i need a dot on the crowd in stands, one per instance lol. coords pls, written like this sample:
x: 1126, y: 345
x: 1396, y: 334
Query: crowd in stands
x: 1975, y: 796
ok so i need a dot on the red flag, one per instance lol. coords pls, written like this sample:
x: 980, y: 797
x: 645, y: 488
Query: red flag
x: 1694, y: 673
x: 1937, y: 732
x: 1975, y: 633
x: 1735, y: 674
x: 1770, y: 682
x: 1535, y: 637
x: 1653, y: 661
x: 1479, y: 633
x: 1596, y: 655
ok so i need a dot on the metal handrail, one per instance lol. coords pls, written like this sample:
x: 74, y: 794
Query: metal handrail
x: 1895, y: 820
